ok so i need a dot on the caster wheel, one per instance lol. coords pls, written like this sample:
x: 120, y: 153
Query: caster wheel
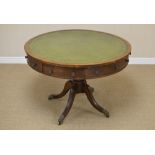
x: 60, y: 122
x: 106, y: 113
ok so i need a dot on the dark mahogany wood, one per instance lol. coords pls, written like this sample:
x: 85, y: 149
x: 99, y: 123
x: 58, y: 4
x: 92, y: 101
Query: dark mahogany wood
x: 74, y: 87
x: 68, y: 107
x: 67, y: 87
x: 78, y: 72
x: 91, y: 88
x: 93, y: 101
x: 78, y: 75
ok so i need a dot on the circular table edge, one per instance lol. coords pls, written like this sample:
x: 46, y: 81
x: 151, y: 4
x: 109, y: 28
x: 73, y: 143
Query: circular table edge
x: 78, y: 71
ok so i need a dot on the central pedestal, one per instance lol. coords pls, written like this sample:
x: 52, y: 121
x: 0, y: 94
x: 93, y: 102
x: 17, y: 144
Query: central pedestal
x: 74, y: 87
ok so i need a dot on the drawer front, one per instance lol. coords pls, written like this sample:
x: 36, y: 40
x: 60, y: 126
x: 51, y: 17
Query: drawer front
x: 78, y: 73
x: 47, y: 69
x: 106, y: 69
x: 94, y: 72
x: 122, y: 63
x: 35, y: 64
x: 62, y: 72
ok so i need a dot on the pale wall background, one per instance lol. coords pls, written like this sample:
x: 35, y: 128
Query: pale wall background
x: 141, y: 37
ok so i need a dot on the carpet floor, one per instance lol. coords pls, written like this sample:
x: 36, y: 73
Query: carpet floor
x: 129, y: 96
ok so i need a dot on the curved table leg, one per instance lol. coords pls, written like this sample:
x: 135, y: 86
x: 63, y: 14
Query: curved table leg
x: 91, y: 88
x: 68, y: 107
x: 68, y: 85
x: 94, y: 103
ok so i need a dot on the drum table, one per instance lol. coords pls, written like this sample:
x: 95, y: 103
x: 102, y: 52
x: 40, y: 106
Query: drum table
x: 77, y: 55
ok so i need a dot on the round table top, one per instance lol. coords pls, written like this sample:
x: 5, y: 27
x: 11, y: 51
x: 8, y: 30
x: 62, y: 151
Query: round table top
x: 77, y: 47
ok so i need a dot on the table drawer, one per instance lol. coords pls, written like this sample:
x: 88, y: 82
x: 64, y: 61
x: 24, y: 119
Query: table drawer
x: 62, y: 72
x: 35, y: 64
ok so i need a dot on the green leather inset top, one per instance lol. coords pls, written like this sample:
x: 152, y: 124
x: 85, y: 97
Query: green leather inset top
x: 77, y: 47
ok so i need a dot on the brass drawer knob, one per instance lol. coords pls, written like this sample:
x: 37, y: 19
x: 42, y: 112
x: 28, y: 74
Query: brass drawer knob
x: 50, y: 71
x: 115, y: 66
x: 73, y: 74
x: 96, y: 72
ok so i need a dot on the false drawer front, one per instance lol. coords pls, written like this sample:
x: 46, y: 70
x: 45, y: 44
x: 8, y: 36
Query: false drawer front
x: 47, y: 69
x: 106, y: 69
x: 62, y: 72
x: 78, y: 73
x: 99, y: 71
x: 35, y: 64
x: 120, y: 64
